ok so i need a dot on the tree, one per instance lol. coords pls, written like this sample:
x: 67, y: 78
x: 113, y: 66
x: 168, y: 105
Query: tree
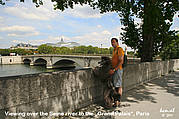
x: 65, y: 50
x: 155, y: 15
x: 4, y: 52
x: 170, y: 49
x: 19, y: 51
x: 45, y: 49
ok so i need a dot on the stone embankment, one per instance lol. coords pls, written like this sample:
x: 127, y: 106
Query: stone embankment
x: 11, y: 60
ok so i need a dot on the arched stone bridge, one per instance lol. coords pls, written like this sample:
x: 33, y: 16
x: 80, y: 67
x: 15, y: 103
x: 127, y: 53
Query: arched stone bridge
x: 56, y: 61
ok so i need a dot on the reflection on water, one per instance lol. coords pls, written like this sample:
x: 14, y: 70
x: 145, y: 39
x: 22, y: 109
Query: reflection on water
x: 21, y: 69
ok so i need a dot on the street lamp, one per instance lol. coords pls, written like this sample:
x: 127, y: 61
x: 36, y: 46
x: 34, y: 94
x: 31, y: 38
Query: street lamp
x: 101, y: 48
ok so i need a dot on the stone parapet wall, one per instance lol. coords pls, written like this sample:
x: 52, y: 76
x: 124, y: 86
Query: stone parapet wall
x: 176, y: 64
x: 143, y: 72
x: 56, y: 92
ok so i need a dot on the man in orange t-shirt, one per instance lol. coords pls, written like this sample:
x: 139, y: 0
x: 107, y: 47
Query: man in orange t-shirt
x: 116, y: 71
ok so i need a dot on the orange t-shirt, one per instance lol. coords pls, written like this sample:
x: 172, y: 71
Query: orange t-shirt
x: 115, y: 57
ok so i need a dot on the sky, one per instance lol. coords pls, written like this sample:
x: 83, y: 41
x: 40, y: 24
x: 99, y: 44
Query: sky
x: 24, y: 23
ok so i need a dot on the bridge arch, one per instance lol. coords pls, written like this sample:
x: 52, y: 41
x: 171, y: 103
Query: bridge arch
x: 27, y: 61
x: 40, y: 61
x: 65, y: 63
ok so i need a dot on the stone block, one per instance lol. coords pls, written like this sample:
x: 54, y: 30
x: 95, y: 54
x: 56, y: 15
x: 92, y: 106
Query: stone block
x: 4, y: 113
x: 2, y: 94
x: 47, y: 86
x: 24, y: 108
x: 22, y: 90
x: 9, y: 94
x: 34, y: 89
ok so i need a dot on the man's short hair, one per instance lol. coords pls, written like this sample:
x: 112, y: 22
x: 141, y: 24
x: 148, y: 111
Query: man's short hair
x: 114, y: 39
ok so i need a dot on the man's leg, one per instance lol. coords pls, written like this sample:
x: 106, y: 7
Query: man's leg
x: 117, y: 80
x: 120, y: 90
x: 118, y: 96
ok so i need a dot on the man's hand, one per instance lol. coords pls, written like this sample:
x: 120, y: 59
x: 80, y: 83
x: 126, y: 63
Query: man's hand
x: 111, y: 71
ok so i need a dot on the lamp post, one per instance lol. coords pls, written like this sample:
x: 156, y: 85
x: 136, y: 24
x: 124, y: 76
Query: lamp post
x: 177, y: 50
x: 101, y: 48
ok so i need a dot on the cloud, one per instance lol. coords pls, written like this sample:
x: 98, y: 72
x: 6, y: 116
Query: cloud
x: 29, y: 11
x: 4, y: 45
x: 95, y: 38
x: 99, y: 26
x: 1, y: 19
x: 119, y: 30
x: 84, y: 11
x: 176, y: 28
x: 47, y: 12
x: 37, y: 42
x: 176, y: 16
x: 17, y: 41
x: 106, y: 32
x: 19, y: 31
x: 49, y: 39
x: 138, y: 21
x: 17, y: 28
x: 23, y: 35
x: 49, y: 27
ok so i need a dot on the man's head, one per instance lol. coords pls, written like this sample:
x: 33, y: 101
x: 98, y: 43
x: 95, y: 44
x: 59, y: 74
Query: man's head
x: 114, y: 42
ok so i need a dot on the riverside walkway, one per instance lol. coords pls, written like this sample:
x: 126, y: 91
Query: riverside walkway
x: 157, y: 99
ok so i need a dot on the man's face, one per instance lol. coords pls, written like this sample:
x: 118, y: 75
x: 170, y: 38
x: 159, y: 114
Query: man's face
x: 114, y: 43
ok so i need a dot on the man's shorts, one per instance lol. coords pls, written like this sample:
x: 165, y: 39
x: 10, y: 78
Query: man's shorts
x: 117, y: 78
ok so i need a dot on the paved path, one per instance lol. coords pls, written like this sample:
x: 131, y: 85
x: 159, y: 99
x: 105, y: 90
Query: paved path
x: 157, y: 99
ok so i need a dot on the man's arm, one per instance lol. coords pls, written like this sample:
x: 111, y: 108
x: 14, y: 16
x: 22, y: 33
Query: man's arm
x: 121, y: 60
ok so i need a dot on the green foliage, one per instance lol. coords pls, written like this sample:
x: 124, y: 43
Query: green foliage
x: 45, y: 49
x: 157, y: 17
x: 131, y: 35
x: 130, y: 52
x: 63, y: 50
x: 4, y: 52
x: 170, y: 49
x: 110, y: 50
x: 19, y: 51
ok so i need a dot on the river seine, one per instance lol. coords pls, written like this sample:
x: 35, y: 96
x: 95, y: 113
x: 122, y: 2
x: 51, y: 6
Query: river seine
x: 21, y: 69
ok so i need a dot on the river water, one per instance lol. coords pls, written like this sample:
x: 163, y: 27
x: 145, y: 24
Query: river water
x: 21, y: 69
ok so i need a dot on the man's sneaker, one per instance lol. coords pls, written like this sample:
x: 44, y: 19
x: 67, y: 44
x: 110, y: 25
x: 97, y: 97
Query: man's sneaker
x: 117, y: 104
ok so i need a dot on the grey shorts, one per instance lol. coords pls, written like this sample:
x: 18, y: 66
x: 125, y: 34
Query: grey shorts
x: 117, y: 78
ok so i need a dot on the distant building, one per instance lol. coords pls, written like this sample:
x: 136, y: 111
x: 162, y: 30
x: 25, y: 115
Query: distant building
x: 12, y: 54
x: 24, y: 46
x: 64, y: 44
